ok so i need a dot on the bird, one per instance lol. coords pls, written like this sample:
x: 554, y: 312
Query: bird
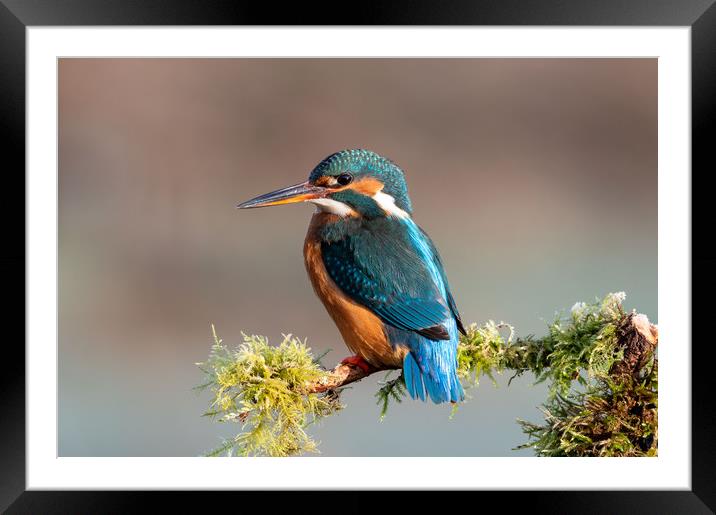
x: 378, y: 274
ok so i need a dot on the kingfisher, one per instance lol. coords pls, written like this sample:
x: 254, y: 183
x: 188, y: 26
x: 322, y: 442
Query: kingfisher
x: 378, y: 274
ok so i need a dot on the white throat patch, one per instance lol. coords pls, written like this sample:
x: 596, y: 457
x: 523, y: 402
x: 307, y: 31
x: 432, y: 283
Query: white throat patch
x: 328, y: 205
x: 387, y: 204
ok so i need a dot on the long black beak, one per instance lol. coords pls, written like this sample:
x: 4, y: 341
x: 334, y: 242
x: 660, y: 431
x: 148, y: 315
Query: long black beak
x: 296, y: 193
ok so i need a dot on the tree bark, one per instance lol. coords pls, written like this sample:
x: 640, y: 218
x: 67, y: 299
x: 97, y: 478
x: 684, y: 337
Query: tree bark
x: 639, y: 338
x: 343, y: 374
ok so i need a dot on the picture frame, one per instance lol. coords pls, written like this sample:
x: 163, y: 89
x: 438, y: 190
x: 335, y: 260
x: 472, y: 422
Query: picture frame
x: 17, y: 15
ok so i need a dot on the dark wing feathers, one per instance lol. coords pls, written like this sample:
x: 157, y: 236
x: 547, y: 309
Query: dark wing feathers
x: 454, y: 311
x: 436, y: 332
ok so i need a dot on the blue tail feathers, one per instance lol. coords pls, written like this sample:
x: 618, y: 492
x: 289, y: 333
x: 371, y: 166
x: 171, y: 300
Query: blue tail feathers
x: 431, y: 370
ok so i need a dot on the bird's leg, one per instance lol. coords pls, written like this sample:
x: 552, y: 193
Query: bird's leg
x: 359, y: 362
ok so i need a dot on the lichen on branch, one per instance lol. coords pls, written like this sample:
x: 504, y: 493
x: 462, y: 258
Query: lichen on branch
x: 599, y: 362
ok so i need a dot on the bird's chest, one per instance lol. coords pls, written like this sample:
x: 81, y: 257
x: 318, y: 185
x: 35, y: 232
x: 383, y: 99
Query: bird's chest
x: 362, y: 331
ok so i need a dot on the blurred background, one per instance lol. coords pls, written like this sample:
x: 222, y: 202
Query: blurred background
x: 536, y: 178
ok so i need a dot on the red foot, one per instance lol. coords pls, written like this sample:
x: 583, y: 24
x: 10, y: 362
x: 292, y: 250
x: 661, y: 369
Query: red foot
x: 357, y: 361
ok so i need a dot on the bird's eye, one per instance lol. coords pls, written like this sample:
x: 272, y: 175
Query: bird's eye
x: 344, y: 179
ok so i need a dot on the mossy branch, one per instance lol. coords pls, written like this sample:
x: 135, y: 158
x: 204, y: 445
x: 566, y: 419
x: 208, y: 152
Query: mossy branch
x: 275, y: 392
x: 343, y: 374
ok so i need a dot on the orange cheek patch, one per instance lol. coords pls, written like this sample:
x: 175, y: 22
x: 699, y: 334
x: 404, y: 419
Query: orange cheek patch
x: 367, y: 186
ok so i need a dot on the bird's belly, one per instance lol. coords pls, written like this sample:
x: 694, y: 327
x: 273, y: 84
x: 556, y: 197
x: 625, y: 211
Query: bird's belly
x: 362, y: 331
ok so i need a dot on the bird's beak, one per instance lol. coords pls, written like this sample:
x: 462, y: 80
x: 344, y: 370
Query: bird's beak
x: 296, y: 193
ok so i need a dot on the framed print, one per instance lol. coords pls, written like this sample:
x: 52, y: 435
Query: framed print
x: 503, y: 197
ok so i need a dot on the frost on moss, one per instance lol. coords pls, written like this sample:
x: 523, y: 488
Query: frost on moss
x: 591, y: 411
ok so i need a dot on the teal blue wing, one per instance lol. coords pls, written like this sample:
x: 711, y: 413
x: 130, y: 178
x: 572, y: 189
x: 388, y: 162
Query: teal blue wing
x: 391, y: 281
x: 439, y: 265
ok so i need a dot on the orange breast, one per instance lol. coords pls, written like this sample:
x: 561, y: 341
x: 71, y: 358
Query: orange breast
x: 361, y: 329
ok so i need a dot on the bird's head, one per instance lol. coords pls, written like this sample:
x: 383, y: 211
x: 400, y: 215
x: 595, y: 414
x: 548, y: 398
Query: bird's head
x: 355, y: 183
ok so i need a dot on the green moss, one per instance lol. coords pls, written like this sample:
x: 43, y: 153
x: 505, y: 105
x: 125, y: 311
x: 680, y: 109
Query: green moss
x: 609, y: 418
x: 608, y: 415
x: 390, y: 390
x: 583, y: 341
x: 483, y: 351
x: 263, y: 388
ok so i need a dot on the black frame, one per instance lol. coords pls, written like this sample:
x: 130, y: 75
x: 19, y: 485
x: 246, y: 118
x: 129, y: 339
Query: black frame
x: 700, y: 15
